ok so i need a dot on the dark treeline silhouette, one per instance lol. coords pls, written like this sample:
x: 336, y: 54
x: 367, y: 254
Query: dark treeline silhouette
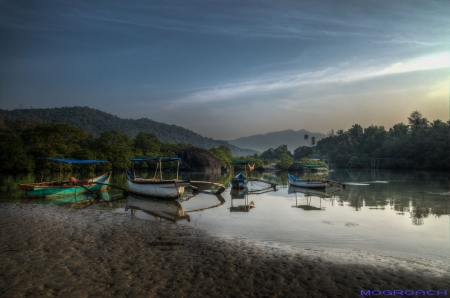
x: 24, y: 143
x: 95, y: 122
x: 420, y: 144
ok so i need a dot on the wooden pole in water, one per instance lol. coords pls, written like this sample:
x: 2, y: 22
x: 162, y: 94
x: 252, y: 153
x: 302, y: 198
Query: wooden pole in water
x: 160, y: 170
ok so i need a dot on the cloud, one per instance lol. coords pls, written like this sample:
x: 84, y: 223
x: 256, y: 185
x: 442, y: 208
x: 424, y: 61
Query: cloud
x: 341, y: 73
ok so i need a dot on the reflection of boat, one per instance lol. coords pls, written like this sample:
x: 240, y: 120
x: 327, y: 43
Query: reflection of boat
x: 310, y: 183
x: 70, y: 187
x: 237, y: 194
x: 169, y: 189
x: 83, y: 198
x: 168, y: 210
x: 308, y: 191
x: 201, y: 202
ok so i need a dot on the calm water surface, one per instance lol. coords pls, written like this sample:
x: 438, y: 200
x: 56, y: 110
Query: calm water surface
x: 393, y: 213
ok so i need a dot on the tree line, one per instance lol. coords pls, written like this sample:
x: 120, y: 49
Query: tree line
x: 420, y: 144
x: 94, y: 122
x: 23, y: 144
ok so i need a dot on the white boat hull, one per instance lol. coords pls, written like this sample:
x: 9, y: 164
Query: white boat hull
x: 307, y: 183
x: 165, y: 189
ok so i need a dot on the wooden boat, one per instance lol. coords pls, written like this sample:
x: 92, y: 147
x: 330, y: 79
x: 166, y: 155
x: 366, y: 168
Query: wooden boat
x: 239, y: 181
x: 168, y: 210
x: 71, y: 187
x: 310, y: 183
x: 156, y: 187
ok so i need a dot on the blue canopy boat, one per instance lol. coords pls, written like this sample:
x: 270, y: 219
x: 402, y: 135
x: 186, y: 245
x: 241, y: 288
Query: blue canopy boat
x: 240, y: 180
x: 71, y: 187
x: 156, y: 187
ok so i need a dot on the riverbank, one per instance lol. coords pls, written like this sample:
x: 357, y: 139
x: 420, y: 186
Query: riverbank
x: 57, y: 251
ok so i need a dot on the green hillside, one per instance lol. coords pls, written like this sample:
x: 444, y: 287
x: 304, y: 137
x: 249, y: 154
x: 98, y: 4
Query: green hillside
x: 95, y: 121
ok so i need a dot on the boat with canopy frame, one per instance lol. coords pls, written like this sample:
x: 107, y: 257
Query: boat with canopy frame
x: 308, y: 183
x: 71, y: 187
x: 241, y: 180
x: 156, y: 186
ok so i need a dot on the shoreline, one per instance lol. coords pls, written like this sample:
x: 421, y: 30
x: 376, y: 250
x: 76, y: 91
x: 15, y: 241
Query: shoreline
x: 55, y: 251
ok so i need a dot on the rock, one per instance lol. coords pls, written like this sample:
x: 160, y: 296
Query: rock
x: 197, y: 159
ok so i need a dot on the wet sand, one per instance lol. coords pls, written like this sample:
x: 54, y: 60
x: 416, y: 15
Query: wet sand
x: 49, y: 251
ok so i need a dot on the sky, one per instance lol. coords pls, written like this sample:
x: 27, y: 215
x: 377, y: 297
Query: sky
x: 230, y: 69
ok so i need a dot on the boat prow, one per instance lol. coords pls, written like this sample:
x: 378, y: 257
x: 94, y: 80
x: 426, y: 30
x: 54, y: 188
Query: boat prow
x: 239, y: 181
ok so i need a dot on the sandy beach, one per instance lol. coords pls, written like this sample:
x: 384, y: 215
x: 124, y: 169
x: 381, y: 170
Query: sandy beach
x: 49, y: 251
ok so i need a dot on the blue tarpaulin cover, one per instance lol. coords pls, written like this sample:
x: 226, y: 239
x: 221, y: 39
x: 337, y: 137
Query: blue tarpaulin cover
x: 163, y: 159
x: 76, y: 161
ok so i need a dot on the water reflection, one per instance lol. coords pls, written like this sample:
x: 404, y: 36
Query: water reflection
x: 168, y: 210
x: 420, y: 195
x: 239, y: 200
x: 400, y: 196
x: 174, y: 211
x: 80, y: 200
x: 308, y: 195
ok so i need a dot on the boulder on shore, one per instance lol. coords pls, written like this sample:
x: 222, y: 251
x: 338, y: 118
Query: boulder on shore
x: 197, y: 159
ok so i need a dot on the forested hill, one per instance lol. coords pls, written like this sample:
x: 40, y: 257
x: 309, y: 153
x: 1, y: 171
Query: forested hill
x: 95, y: 121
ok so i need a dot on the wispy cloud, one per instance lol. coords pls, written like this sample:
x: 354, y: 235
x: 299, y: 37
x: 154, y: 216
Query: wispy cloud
x: 292, y: 82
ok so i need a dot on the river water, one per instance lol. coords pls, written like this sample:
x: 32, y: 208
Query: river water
x: 392, y: 213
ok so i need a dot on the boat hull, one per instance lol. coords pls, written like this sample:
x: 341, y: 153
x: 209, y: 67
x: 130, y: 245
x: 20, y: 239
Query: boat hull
x: 317, y: 184
x: 56, y: 189
x: 166, y: 189
x: 239, y: 181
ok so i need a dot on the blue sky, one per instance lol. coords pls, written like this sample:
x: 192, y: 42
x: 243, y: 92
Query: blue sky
x: 228, y: 69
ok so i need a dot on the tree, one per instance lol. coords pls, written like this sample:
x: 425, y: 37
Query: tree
x: 285, y: 162
x: 223, y: 154
x: 147, y: 143
x: 399, y: 130
x: 115, y: 147
x: 306, y: 138
x: 302, y: 151
x: 417, y: 123
x: 13, y: 156
x: 53, y: 140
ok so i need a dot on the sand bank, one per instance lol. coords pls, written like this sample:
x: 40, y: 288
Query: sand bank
x: 49, y: 251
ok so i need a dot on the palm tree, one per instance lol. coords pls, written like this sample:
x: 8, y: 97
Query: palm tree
x: 306, y: 138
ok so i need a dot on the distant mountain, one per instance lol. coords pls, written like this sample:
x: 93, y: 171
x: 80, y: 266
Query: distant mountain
x: 293, y: 139
x: 95, y: 121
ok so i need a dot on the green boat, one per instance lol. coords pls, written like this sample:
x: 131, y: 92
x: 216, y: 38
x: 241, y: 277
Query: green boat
x: 71, y: 187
